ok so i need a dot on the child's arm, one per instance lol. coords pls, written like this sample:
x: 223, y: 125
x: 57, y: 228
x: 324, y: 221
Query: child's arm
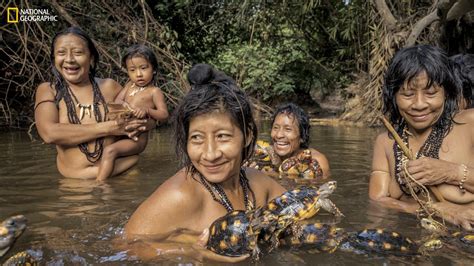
x: 160, y: 112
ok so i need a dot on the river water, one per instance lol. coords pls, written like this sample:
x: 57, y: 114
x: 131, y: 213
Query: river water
x: 74, y: 221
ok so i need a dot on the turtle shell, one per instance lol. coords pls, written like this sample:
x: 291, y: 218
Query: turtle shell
x: 262, y: 157
x: 10, y: 230
x: 231, y: 235
x: 317, y: 236
x: 380, y: 241
x: 21, y: 258
x: 303, y: 165
x: 292, y: 206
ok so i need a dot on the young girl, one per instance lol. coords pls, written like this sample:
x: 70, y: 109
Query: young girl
x: 142, y: 97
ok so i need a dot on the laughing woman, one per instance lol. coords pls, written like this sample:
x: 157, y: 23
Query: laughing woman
x: 70, y: 111
x: 290, y: 136
x: 215, y: 132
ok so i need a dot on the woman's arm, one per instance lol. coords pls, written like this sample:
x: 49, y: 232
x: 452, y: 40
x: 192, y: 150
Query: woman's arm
x: 323, y: 163
x: 51, y: 131
x: 158, y: 227
x: 380, y: 179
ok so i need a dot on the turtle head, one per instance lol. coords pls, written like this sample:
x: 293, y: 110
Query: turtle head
x: 433, y: 226
x: 327, y: 188
x: 430, y: 245
x: 305, y: 156
x: 10, y: 230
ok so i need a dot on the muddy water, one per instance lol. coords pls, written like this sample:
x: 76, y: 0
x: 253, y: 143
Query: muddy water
x: 73, y: 221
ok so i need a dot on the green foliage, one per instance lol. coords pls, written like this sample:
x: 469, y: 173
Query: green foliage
x: 273, y: 48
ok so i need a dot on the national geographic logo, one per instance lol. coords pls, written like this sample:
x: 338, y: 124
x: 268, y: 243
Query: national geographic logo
x: 14, y: 15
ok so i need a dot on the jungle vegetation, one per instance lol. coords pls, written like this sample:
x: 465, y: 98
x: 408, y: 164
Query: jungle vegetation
x: 323, y: 54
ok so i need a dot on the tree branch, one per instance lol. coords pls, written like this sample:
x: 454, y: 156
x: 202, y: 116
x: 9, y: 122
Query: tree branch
x: 387, y: 16
x: 420, y: 26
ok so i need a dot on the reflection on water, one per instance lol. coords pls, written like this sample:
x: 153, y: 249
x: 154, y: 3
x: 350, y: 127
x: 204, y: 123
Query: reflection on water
x: 75, y: 221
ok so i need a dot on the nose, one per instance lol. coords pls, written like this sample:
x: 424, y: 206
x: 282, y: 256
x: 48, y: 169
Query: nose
x: 69, y: 57
x: 212, y: 151
x: 139, y: 73
x: 419, y: 101
x: 278, y: 133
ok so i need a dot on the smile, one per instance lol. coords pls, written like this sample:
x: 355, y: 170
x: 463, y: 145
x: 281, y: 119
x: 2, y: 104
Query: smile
x: 213, y: 167
x: 71, y: 70
x: 419, y: 118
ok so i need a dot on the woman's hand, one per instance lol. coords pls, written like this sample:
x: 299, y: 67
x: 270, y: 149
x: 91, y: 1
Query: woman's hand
x: 429, y: 171
x: 204, y: 253
x: 462, y: 215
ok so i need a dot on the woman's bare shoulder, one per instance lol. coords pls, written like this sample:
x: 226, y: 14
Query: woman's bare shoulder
x: 178, y: 188
x: 465, y: 116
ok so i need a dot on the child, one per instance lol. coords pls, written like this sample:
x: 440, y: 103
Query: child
x: 142, y: 97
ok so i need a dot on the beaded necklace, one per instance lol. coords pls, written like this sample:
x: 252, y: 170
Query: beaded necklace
x: 222, y: 197
x: 430, y: 149
x: 94, y: 155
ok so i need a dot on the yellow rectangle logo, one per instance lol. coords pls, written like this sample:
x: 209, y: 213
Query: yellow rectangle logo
x: 12, y: 14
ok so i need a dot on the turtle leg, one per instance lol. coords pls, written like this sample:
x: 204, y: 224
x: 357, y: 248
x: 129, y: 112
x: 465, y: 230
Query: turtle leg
x: 329, y: 206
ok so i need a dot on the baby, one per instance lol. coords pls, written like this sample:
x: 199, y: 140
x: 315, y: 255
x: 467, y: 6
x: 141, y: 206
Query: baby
x: 143, y: 99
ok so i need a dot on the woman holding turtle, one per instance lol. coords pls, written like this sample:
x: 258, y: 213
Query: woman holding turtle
x: 215, y: 132
x: 290, y: 138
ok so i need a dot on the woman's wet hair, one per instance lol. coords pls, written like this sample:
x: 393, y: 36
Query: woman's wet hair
x: 301, y: 118
x: 406, y: 65
x: 212, y: 91
x: 139, y: 50
x: 464, y: 69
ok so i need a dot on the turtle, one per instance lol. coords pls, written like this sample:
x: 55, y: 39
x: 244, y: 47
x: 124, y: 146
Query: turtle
x: 384, y: 242
x: 328, y: 238
x: 119, y: 111
x: 21, y: 258
x: 231, y: 235
x: 10, y: 230
x: 295, y: 205
x: 302, y: 165
x: 459, y: 239
x: 318, y: 237
x: 264, y: 157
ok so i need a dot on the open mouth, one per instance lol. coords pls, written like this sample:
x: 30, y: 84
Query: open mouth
x: 71, y: 69
x: 281, y: 144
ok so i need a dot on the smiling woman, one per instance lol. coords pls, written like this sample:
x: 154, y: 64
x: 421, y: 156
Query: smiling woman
x: 215, y: 132
x: 421, y: 97
x: 290, y: 136
x: 71, y: 110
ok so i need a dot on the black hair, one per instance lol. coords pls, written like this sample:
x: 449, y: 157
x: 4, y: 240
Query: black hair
x: 139, y: 50
x: 301, y: 117
x: 212, y: 91
x: 63, y: 91
x: 405, y: 66
x: 464, y: 69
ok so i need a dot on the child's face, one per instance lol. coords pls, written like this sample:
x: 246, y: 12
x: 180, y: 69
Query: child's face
x: 72, y: 58
x: 139, y: 71
x: 419, y: 105
x: 215, y: 146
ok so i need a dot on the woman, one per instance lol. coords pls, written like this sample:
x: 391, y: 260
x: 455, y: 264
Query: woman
x: 71, y: 112
x: 290, y: 135
x: 421, y: 99
x: 215, y: 132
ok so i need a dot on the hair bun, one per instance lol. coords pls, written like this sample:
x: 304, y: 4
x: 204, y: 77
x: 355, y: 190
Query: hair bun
x: 200, y: 74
